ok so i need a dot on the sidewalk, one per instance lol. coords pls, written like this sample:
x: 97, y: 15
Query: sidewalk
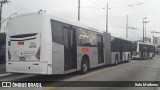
x: 157, y: 57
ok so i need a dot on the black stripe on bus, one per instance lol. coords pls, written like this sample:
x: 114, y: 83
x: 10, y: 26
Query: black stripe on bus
x: 24, y: 39
x: 23, y: 35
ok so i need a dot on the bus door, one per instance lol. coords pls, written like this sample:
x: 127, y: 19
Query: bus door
x: 100, y: 49
x: 70, y: 49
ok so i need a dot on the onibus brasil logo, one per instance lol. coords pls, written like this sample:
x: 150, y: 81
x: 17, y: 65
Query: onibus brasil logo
x: 20, y: 84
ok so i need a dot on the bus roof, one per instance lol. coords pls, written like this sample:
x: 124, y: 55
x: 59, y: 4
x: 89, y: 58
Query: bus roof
x: 74, y: 23
x: 126, y: 39
x: 58, y: 18
x: 146, y: 43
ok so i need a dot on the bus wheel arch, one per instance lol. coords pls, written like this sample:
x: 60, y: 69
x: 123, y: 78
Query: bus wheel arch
x: 152, y: 56
x: 85, y: 64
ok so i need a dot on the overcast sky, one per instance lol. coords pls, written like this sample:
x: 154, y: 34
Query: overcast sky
x: 93, y: 14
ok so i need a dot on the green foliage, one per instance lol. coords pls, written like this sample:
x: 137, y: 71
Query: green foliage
x: 2, y: 38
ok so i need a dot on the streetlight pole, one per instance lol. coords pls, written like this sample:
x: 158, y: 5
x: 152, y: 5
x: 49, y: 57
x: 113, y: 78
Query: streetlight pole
x: 107, y: 18
x: 8, y: 18
x: 127, y: 27
x: 1, y: 3
x: 79, y: 10
x: 145, y: 28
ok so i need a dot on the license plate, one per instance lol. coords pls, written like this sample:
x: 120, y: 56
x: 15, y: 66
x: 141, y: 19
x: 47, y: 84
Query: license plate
x: 22, y: 58
x: 20, y: 43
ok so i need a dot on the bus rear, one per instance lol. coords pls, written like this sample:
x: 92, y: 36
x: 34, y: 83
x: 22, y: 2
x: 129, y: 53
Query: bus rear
x: 24, y: 45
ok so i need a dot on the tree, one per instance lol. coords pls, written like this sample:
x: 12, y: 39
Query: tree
x: 2, y: 38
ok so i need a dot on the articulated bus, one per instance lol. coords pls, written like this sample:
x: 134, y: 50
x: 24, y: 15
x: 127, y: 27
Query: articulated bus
x: 39, y: 43
x: 143, y: 50
x: 121, y: 49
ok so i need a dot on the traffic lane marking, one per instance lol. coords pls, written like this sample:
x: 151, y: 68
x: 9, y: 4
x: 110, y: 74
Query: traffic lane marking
x: 86, y: 75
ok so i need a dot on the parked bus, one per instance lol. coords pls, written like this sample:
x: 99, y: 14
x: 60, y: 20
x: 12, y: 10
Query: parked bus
x: 143, y: 50
x: 40, y: 43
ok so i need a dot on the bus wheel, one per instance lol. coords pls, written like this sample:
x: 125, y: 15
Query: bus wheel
x: 116, y: 60
x: 152, y: 56
x: 84, y: 66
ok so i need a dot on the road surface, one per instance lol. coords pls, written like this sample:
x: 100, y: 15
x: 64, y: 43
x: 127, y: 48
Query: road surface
x: 135, y: 70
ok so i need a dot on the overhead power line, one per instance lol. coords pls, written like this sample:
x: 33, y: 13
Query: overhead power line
x: 130, y: 5
x: 99, y: 5
x: 137, y: 36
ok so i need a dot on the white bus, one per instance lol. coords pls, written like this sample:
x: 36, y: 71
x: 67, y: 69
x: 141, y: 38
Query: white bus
x: 143, y: 50
x: 39, y: 43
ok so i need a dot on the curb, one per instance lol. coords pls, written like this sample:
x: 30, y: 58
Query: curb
x: 4, y: 75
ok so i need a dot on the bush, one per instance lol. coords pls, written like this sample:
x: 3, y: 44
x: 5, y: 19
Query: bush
x: 2, y: 38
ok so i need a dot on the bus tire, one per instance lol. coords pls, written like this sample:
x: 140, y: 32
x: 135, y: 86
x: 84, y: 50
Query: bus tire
x: 116, y: 60
x: 152, y: 56
x: 84, y: 65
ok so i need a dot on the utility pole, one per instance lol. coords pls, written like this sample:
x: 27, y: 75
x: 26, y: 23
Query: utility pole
x: 153, y: 36
x: 1, y: 3
x: 143, y: 27
x: 127, y: 27
x: 145, y: 31
x: 0, y: 14
x: 79, y: 10
x: 107, y: 18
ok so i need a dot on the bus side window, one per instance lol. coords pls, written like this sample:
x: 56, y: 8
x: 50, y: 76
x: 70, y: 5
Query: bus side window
x: 57, y: 31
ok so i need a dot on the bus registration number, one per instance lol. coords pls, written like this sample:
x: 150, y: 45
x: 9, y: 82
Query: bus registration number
x: 22, y: 58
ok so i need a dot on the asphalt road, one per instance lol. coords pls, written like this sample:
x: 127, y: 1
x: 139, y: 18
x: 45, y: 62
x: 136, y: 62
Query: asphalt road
x: 135, y: 70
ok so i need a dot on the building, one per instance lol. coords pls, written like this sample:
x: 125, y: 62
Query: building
x: 157, y: 40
